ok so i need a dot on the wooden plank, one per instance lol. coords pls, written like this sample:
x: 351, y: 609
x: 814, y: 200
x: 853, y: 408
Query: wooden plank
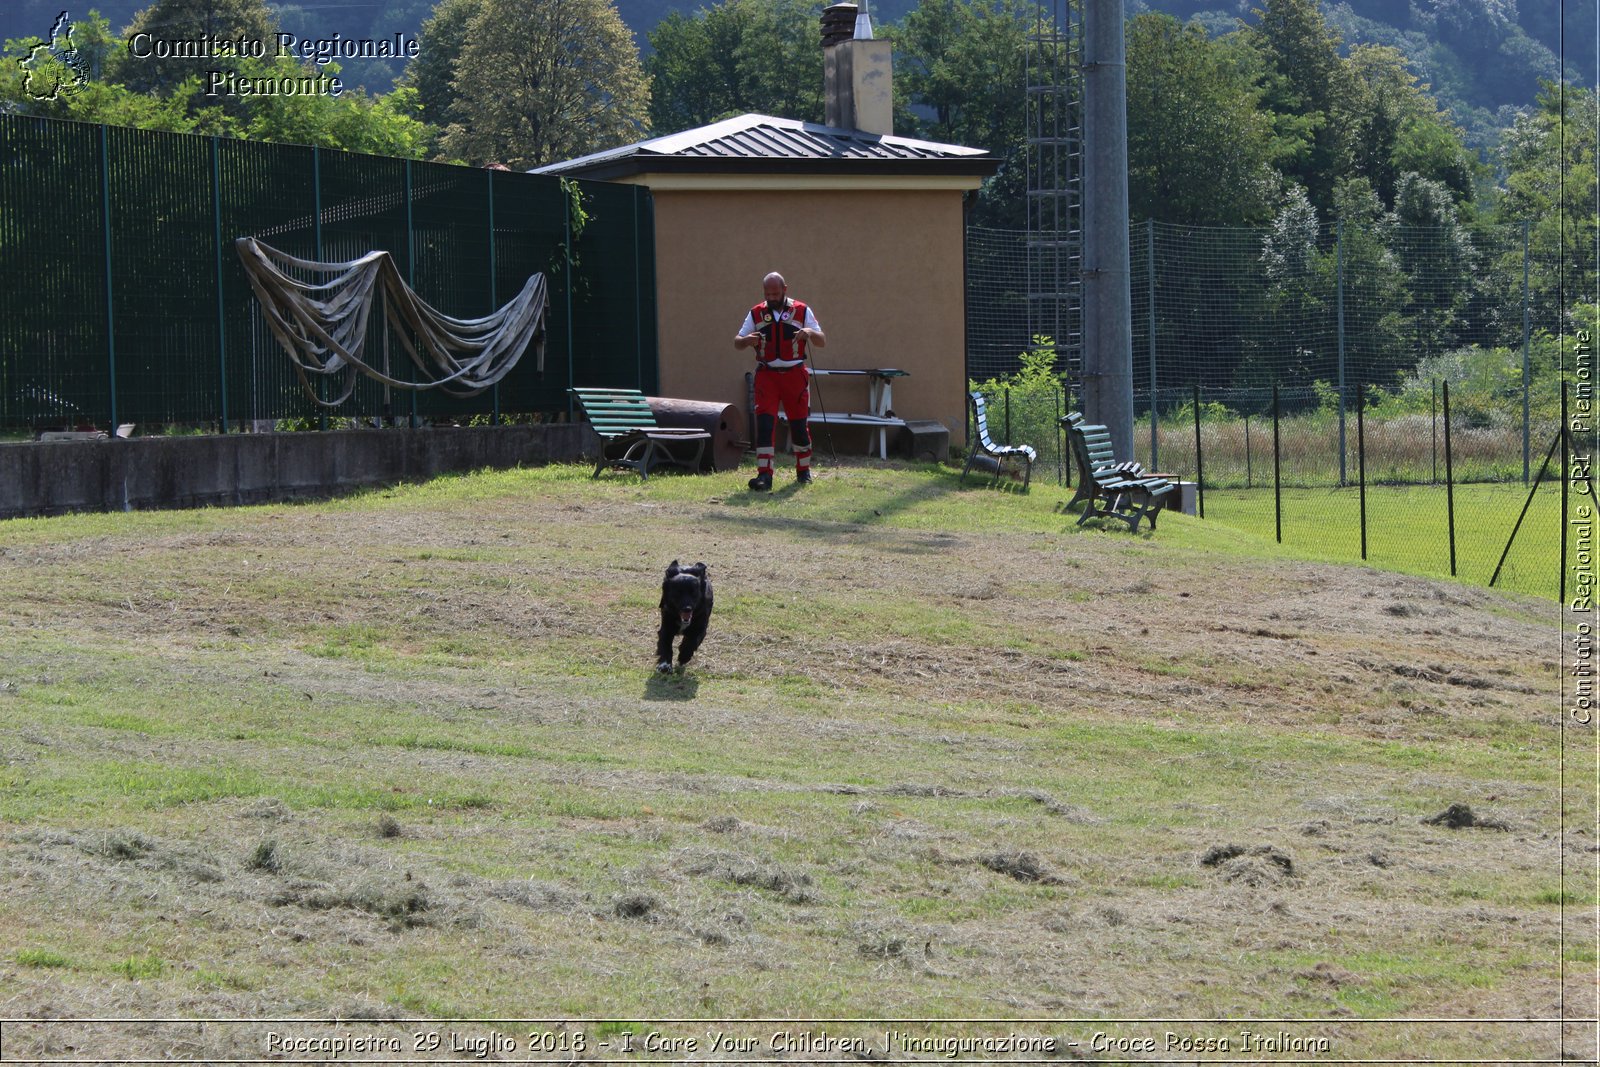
x: 855, y: 419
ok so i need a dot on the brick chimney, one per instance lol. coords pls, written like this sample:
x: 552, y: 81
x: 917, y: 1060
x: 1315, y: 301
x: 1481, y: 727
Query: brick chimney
x: 857, y: 72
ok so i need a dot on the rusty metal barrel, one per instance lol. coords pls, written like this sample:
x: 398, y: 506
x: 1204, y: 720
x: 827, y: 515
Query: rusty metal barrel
x: 724, y: 422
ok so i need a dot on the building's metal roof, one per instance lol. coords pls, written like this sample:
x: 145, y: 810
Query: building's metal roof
x: 762, y: 143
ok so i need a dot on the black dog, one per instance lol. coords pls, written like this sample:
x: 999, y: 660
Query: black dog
x: 686, y: 610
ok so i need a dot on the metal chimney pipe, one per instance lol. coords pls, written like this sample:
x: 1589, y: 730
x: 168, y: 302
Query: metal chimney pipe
x: 863, y: 23
x: 1107, y: 303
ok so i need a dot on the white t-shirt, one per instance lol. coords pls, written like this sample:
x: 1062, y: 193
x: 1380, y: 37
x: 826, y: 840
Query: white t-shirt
x: 810, y: 323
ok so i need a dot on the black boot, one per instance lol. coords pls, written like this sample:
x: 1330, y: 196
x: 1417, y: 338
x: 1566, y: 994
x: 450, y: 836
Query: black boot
x: 803, y: 476
x: 762, y: 483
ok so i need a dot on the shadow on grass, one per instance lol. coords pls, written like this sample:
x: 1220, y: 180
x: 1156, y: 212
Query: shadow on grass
x: 877, y: 512
x: 979, y: 479
x: 671, y: 686
x: 1067, y: 510
x: 781, y: 490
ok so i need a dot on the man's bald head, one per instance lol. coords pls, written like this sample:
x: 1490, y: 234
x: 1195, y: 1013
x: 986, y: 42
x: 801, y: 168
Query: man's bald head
x: 774, y: 287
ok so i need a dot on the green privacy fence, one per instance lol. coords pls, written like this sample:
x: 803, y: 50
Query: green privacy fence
x: 122, y: 300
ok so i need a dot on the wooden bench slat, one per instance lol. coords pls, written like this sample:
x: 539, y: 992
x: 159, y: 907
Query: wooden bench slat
x: 997, y: 452
x: 630, y: 438
x: 1109, y: 488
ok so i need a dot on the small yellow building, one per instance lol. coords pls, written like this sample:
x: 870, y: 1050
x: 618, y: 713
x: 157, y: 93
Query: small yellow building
x: 867, y: 228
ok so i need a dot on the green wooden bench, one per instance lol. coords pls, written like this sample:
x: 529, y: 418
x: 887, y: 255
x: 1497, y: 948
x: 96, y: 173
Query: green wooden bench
x: 1108, y: 488
x: 986, y: 445
x: 630, y: 438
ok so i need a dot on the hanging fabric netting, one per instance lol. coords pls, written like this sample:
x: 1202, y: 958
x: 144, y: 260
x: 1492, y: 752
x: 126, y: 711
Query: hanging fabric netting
x: 322, y: 323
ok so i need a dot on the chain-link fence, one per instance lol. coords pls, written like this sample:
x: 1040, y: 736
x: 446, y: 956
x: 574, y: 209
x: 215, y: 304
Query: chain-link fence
x: 1429, y: 493
x: 1386, y: 392
x: 122, y: 300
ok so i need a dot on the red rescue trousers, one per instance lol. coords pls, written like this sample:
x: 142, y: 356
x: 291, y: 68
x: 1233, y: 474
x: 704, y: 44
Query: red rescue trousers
x: 790, y: 389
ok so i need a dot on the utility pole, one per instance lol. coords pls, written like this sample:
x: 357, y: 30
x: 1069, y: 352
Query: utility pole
x: 1107, y: 303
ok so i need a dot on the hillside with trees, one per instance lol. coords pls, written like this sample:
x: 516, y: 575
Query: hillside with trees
x: 1481, y: 57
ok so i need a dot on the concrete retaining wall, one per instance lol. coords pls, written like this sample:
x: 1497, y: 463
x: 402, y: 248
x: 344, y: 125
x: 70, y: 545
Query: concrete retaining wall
x: 54, y: 477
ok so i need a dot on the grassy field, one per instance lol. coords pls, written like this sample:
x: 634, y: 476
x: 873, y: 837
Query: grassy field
x: 1408, y: 529
x: 944, y: 755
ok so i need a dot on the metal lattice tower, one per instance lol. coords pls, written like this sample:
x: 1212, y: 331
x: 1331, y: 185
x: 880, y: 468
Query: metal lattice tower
x: 1054, y: 239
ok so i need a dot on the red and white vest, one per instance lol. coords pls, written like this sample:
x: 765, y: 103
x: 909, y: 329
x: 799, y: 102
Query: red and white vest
x: 781, y: 344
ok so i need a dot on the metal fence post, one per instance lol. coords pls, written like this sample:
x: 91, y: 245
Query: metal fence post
x: 638, y: 311
x: 1361, y: 460
x: 111, y: 313
x: 1277, y: 491
x: 1566, y: 484
x: 494, y: 291
x: 1433, y: 425
x: 1527, y: 375
x: 1339, y: 303
x: 1449, y: 481
x: 1065, y: 477
x: 1055, y: 398
x: 1199, y: 459
x: 316, y: 230
x: 411, y: 280
x: 1150, y: 286
x: 216, y: 223
x: 566, y: 277
x: 1247, y: 481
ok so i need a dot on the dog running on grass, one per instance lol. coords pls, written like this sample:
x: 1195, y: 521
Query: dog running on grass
x: 686, y: 610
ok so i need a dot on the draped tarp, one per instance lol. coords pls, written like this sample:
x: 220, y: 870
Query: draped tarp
x: 322, y: 324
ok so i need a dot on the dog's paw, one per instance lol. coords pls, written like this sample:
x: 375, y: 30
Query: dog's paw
x: 664, y: 667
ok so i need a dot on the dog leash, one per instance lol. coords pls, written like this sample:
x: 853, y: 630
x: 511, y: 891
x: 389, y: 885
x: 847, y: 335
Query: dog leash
x: 834, y: 455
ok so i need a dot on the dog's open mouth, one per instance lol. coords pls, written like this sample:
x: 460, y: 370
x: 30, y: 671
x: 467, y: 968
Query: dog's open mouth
x: 684, y: 619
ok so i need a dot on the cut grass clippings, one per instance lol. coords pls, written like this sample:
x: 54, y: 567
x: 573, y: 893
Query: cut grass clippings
x: 943, y: 754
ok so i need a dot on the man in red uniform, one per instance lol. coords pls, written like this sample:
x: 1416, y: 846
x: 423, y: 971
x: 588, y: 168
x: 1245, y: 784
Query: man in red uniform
x: 780, y: 329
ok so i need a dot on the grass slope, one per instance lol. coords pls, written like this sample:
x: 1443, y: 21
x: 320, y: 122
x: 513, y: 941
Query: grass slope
x: 942, y: 755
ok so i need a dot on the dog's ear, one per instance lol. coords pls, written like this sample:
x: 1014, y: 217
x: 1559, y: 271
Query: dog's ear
x: 673, y: 568
x: 699, y: 568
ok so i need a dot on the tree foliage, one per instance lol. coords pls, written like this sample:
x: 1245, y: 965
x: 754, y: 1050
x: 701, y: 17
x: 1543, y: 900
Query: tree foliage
x: 962, y: 65
x: 1550, y: 160
x: 1309, y: 89
x: 354, y: 121
x: 1396, y: 128
x: 1200, y: 150
x: 736, y: 57
x: 432, y: 72
x: 539, y: 81
x: 962, y: 60
x: 188, y: 20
